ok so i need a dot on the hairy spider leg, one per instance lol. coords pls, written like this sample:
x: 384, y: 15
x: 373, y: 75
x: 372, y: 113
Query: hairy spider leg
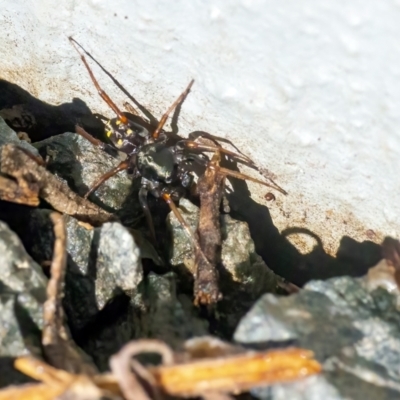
x: 250, y: 163
x: 163, y: 119
x: 235, y: 174
x: 102, y: 93
x: 167, y: 198
x: 216, y: 139
x: 95, y: 142
x: 145, y: 207
x: 197, y: 146
x: 244, y: 177
x: 120, y: 167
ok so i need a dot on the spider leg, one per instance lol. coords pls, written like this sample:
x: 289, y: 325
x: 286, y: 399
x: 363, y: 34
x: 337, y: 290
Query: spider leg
x: 102, y: 93
x: 228, y: 172
x: 167, y: 198
x: 95, y: 142
x: 216, y: 139
x: 110, y: 150
x: 200, y: 147
x: 143, y: 202
x: 163, y: 119
x: 239, y: 175
x: 244, y: 159
x: 120, y: 167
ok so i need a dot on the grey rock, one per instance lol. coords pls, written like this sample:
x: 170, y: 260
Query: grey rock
x: 103, y: 267
x: 79, y: 300
x: 240, y: 262
x: 309, y: 388
x: 118, y: 262
x: 240, y: 259
x: 166, y: 315
x: 7, y: 135
x: 22, y: 294
x: 338, y: 385
x: 181, y: 248
x: 18, y: 333
x: 353, y: 332
x: 103, y: 262
x: 81, y: 164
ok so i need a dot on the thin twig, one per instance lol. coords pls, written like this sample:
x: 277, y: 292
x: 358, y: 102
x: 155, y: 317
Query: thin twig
x: 123, y: 364
x: 210, y: 189
x: 58, y: 347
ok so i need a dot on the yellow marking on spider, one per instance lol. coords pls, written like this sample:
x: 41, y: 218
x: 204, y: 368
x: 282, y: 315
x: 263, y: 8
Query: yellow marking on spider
x: 129, y: 132
x: 118, y: 122
x: 119, y: 142
x: 109, y: 133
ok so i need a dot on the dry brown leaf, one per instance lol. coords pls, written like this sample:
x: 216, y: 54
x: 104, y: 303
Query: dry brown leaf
x: 18, y: 193
x: 24, y: 167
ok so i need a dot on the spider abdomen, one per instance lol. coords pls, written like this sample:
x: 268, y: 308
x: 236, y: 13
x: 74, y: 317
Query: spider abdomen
x: 128, y: 137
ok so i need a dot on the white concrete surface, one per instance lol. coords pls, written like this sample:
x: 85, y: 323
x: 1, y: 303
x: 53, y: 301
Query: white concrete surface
x: 310, y: 89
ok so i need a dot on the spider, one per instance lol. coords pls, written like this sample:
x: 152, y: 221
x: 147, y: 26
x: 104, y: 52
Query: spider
x: 164, y: 163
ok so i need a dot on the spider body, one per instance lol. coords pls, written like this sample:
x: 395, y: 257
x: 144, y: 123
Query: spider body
x: 163, y: 164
